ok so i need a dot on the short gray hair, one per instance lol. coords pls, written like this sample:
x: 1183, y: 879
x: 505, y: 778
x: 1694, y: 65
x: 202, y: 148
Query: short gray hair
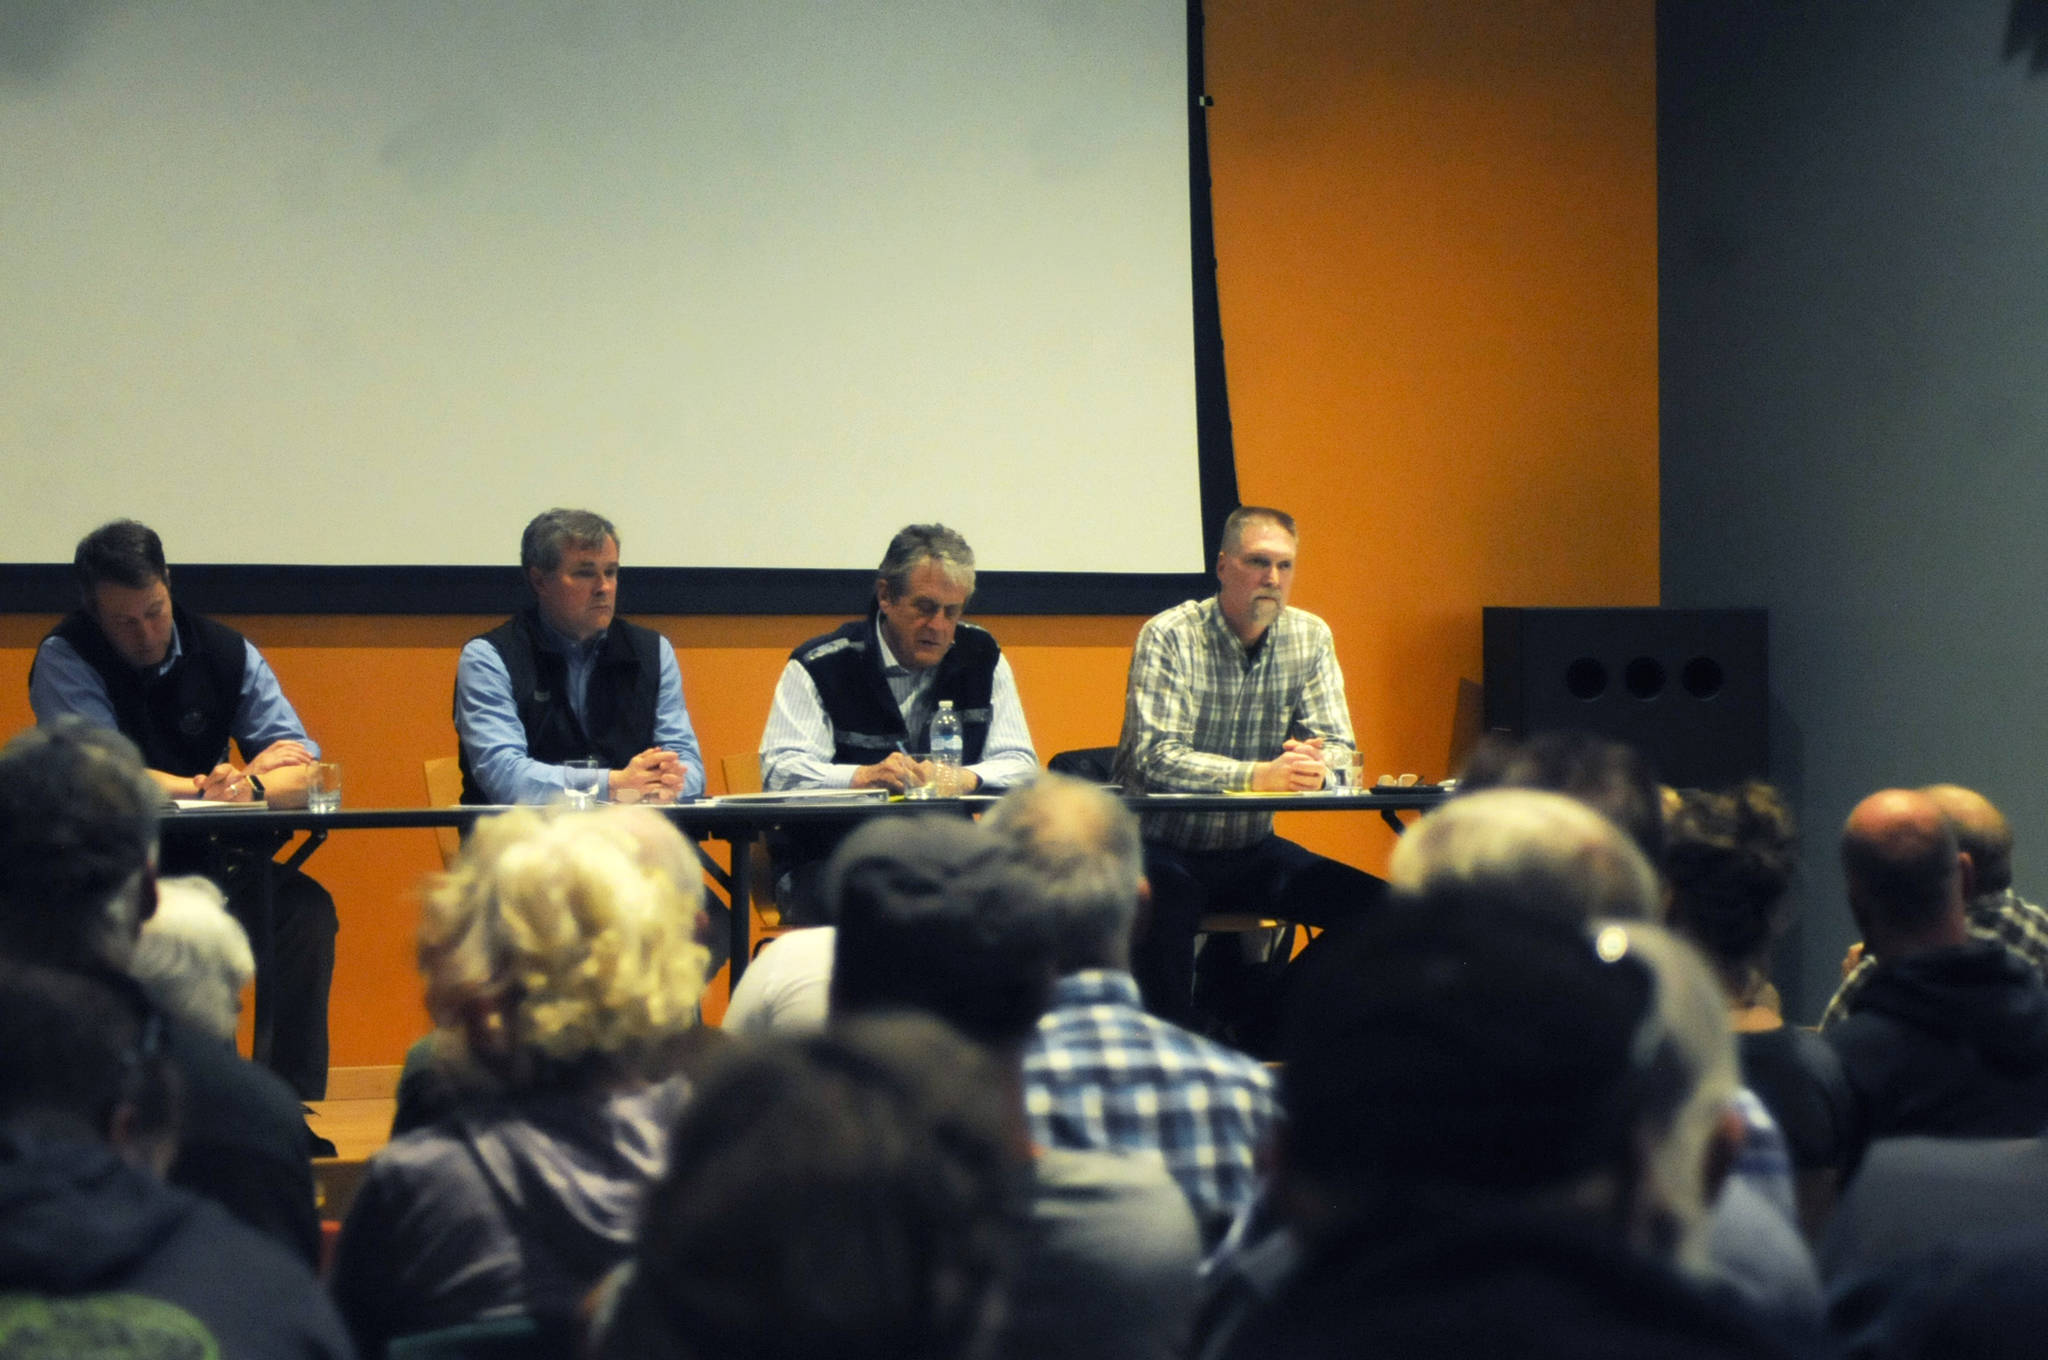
x: 1079, y: 851
x: 193, y: 958
x: 1526, y: 849
x: 1233, y: 527
x: 552, y: 532
x: 917, y: 544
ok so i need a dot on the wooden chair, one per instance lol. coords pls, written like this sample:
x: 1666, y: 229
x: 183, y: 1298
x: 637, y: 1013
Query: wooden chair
x: 444, y: 789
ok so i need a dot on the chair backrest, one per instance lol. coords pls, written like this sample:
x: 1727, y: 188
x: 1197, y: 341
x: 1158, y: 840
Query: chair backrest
x: 742, y: 772
x: 1092, y: 763
x: 444, y: 789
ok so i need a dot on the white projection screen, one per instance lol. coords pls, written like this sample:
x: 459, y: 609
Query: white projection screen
x: 329, y: 291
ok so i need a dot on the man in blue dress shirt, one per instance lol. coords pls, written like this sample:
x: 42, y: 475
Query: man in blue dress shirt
x: 567, y: 679
x: 181, y: 687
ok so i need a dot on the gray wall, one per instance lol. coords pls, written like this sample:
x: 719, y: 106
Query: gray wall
x: 1853, y: 242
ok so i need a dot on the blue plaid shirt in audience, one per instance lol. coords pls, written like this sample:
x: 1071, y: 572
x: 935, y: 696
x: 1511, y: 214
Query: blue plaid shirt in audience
x: 1101, y: 1073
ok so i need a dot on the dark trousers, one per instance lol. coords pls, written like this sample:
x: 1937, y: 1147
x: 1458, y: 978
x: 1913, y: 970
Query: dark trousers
x: 1271, y: 877
x: 303, y: 926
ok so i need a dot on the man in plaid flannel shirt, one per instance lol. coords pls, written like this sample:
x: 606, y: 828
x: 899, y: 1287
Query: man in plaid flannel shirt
x: 1101, y: 1073
x: 1235, y: 692
x: 1996, y: 913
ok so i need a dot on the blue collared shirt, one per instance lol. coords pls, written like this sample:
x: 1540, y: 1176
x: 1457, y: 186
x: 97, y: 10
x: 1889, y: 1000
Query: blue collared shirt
x: 494, y: 740
x: 1101, y: 1073
x: 65, y: 684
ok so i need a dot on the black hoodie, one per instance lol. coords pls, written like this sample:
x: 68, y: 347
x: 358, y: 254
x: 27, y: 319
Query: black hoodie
x: 84, y: 1237
x: 1953, y: 1043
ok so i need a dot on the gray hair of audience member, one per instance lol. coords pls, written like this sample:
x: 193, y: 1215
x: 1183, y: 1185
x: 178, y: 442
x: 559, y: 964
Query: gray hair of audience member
x: 562, y: 948
x: 1982, y: 833
x: 1611, y: 777
x: 550, y: 534
x: 1081, y: 859
x: 1233, y: 525
x: 933, y: 918
x: 1524, y: 850
x: 1465, y: 1059
x: 78, y: 832
x: 121, y: 552
x: 917, y: 544
x: 85, y: 1057
x: 193, y: 958
x: 841, y: 1196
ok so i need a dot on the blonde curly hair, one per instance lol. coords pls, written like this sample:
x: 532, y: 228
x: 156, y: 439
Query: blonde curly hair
x: 564, y: 943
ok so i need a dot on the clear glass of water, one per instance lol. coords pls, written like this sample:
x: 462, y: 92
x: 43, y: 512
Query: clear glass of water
x: 920, y: 785
x: 1342, y: 767
x: 586, y: 781
x: 323, y: 786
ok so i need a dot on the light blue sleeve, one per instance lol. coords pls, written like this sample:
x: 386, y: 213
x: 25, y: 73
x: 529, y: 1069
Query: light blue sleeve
x: 64, y: 685
x: 1007, y: 757
x: 493, y: 739
x: 263, y: 715
x: 672, y: 730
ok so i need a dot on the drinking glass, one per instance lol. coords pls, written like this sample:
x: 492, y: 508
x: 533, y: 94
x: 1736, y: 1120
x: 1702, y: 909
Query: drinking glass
x: 586, y: 781
x: 323, y: 786
x: 1343, y: 767
x: 920, y: 783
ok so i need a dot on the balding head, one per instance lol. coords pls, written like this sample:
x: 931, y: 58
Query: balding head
x: 1078, y: 850
x: 1525, y: 850
x: 1906, y: 875
x: 1981, y: 831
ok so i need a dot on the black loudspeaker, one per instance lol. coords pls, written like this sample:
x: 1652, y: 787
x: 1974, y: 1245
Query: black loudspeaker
x: 1689, y: 688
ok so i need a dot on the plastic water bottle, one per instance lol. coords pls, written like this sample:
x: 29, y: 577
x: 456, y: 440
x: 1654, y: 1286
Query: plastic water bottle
x: 949, y: 747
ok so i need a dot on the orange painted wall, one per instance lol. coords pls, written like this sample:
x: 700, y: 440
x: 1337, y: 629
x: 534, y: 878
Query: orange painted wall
x: 1436, y: 227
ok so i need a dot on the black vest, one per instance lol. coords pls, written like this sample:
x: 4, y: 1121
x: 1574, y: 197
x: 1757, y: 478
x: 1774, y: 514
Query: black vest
x: 846, y: 666
x: 180, y: 719
x: 625, y: 689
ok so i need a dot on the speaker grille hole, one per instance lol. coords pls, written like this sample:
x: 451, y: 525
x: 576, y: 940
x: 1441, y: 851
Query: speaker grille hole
x: 1644, y: 677
x: 1702, y: 677
x: 1586, y: 679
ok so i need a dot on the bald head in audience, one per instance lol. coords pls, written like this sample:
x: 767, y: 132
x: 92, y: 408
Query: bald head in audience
x: 1908, y: 879
x: 1982, y: 833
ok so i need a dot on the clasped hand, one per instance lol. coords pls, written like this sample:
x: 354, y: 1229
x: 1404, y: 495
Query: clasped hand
x: 653, y: 776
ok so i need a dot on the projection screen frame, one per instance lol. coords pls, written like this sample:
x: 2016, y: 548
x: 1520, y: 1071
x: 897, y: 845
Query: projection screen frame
x: 243, y: 588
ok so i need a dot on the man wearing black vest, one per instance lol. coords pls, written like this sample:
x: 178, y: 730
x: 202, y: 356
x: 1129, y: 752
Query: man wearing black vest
x: 181, y: 687
x: 567, y: 679
x: 854, y: 704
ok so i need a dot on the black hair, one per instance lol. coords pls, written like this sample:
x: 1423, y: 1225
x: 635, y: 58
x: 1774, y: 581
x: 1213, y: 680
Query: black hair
x: 842, y: 1197
x: 1482, y: 1051
x: 1729, y: 857
x: 80, y: 1046
x: 932, y: 917
x: 78, y: 823
x: 1611, y: 777
x: 120, y: 552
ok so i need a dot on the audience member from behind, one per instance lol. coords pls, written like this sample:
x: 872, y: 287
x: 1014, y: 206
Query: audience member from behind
x: 835, y: 1197
x: 1101, y: 1072
x: 1995, y: 911
x: 1729, y: 858
x: 1501, y: 1137
x: 78, y: 834
x: 97, y: 1256
x: 932, y: 919
x: 193, y: 958
x: 1950, y: 1034
x: 1524, y: 850
x: 1532, y: 852
x: 562, y: 972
